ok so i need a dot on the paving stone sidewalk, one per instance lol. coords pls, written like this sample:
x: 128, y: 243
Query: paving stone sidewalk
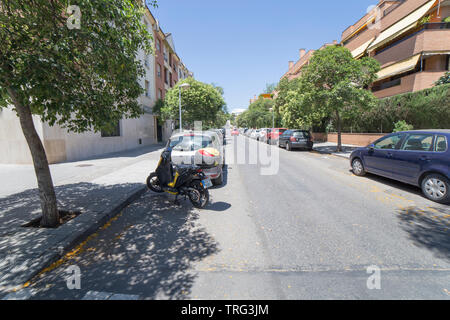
x: 99, y: 188
x: 330, y: 148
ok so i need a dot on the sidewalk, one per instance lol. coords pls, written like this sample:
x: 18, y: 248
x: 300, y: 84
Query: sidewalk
x: 99, y: 188
x: 330, y: 148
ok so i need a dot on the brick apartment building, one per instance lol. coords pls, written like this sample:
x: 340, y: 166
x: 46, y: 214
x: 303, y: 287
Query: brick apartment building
x: 409, y: 40
x: 407, y: 37
x: 295, y: 69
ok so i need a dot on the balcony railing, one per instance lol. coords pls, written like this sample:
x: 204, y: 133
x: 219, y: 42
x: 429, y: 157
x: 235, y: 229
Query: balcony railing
x: 387, y: 85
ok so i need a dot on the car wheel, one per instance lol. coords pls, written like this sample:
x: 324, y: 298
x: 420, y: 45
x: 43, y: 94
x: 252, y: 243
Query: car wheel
x: 358, y: 167
x: 436, y: 188
x: 288, y: 147
x: 218, y: 181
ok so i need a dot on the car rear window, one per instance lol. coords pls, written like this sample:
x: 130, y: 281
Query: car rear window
x: 441, y: 144
x: 281, y: 130
x: 190, y: 143
x: 301, y: 134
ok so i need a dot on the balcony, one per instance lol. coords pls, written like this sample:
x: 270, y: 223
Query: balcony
x: 431, y: 37
x: 409, y: 83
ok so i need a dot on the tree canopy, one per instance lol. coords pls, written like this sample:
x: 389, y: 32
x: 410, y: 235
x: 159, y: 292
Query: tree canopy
x: 72, y: 63
x: 200, y: 102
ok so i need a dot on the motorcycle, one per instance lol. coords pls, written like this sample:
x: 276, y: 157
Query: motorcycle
x: 187, y: 180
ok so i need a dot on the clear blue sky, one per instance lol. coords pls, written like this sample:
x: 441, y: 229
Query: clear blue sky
x: 243, y: 45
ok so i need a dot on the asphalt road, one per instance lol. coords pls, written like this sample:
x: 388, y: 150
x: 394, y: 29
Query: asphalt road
x: 310, y: 230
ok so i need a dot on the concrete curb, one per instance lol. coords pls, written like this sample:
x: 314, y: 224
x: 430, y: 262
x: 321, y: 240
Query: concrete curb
x: 93, y: 223
x: 332, y: 154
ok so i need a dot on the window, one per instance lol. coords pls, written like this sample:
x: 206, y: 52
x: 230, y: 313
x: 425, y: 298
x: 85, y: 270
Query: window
x: 159, y: 94
x: 147, y: 88
x: 301, y: 134
x: 166, y: 75
x: 441, y: 144
x: 158, y: 45
x: 390, y: 142
x: 158, y: 70
x: 114, y: 133
x: 418, y: 142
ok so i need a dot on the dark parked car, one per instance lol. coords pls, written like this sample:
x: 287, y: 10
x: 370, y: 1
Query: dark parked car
x: 296, y: 139
x: 420, y: 158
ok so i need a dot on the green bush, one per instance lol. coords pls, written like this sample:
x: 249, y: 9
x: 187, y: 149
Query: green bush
x: 425, y: 109
x: 402, y: 126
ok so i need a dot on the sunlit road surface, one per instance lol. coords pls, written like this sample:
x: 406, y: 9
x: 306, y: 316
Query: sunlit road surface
x: 310, y: 231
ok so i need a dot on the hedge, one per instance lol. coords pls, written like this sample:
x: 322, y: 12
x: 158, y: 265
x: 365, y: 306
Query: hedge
x: 425, y: 109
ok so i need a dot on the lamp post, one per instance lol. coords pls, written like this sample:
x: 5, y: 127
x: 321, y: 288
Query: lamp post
x: 184, y: 86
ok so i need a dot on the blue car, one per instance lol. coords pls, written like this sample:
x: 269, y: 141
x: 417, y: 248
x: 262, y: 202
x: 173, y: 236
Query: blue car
x: 419, y: 157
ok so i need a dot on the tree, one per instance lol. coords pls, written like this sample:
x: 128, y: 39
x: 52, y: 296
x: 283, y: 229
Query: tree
x: 337, y: 85
x: 270, y: 87
x: 81, y: 74
x: 258, y: 114
x: 201, y: 102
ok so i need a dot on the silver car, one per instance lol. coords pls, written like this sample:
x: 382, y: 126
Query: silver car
x: 187, y: 149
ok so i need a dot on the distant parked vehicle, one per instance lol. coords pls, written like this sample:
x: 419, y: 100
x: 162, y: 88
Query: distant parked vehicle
x: 255, y: 134
x: 420, y: 158
x: 263, y: 134
x: 234, y: 132
x: 274, y: 134
x: 296, y: 139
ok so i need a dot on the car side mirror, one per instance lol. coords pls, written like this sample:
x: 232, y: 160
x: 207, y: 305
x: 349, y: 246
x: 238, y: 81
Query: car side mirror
x: 371, y: 147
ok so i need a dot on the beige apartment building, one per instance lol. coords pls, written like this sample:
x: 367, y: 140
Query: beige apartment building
x: 408, y: 38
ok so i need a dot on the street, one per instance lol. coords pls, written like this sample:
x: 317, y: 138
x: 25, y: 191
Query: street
x: 310, y: 231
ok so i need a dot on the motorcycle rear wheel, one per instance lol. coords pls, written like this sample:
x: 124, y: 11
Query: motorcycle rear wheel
x: 200, y: 196
x: 153, y: 183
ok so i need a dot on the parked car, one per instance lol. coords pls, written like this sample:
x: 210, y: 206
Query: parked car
x: 255, y: 133
x: 420, y: 158
x: 262, y: 135
x: 296, y: 139
x: 274, y: 134
x: 234, y: 132
x: 220, y: 134
x: 187, y: 146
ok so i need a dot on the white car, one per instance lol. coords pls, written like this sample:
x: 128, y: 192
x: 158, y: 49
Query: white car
x: 186, y: 148
x: 255, y: 133
x: 262, y: 135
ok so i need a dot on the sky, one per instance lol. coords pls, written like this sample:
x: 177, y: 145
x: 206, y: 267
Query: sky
x: 242, y: 45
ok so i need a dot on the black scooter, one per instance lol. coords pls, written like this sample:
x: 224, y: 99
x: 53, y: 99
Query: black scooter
x: 187, y: 180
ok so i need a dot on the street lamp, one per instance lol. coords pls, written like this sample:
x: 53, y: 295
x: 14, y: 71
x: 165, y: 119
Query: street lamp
x: 185, y: 86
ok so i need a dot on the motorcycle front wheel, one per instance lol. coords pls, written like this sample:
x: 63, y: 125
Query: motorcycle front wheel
x: 199, y: 196
x: 153, y: 183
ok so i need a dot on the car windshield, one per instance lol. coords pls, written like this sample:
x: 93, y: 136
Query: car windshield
x: 190, y: 142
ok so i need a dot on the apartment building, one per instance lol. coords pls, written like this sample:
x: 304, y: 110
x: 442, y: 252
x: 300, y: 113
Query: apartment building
x: 61, y: 145
x: 295, y: 69
x: 408, y: 38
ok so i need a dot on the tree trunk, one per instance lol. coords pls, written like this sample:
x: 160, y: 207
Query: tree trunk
x: 50, y: 214
x: 338, y: 120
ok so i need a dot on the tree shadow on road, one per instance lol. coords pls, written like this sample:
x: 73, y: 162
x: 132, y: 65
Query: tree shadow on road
x: 148, y: 251
x: 428, y: 228
x: 24, y: 251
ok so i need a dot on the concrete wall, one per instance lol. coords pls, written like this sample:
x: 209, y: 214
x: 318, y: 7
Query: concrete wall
x: 13, y: 146
x: 61, y: 145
